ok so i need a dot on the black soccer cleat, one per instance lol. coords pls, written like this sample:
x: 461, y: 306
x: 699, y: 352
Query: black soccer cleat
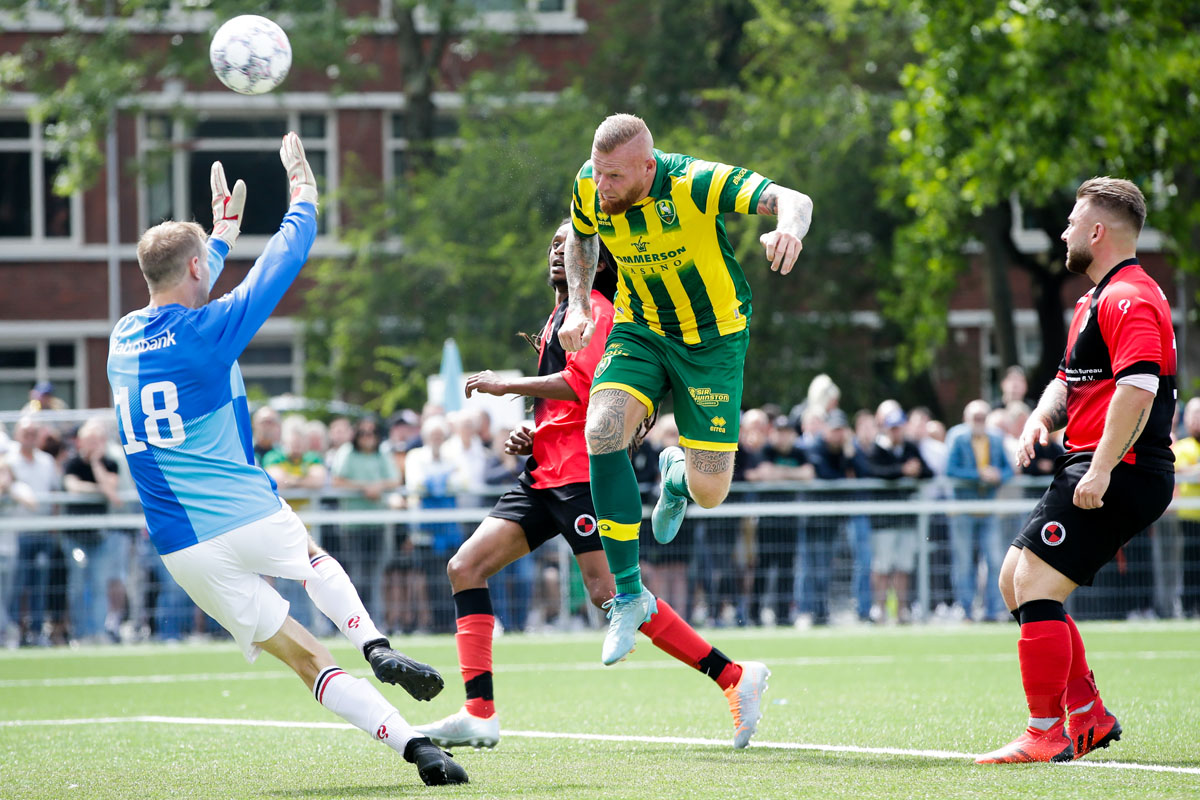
x: 435, y: 766
x: 421, y: 681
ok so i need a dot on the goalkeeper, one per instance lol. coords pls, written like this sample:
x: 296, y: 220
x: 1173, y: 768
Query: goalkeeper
x: 212, y: 514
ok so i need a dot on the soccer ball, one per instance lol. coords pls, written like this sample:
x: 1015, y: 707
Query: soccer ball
x: 250, y: 54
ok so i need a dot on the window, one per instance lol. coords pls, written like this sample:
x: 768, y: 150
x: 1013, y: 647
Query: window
x: 29, y: 208
x: 445, y: 127
x: 1029, y: 238
x: 272, y: 367
x: 179, y: 157
x: 505, y: 16
x: 520, y: 5
x: 24, y: 364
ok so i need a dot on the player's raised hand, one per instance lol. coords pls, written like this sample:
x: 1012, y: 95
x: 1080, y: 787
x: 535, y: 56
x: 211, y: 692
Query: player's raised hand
x: 301, y: 182
x: 520, y: 442
x: 227, y: 206
x: 1035, y: 432
x: 576, y: 330
x: 782, y: 249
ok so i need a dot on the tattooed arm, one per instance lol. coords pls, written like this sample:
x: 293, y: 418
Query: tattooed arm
x: 1128, y: 412
x: 581, y: 254
x: 1050, y: 415
x: 794, y: 210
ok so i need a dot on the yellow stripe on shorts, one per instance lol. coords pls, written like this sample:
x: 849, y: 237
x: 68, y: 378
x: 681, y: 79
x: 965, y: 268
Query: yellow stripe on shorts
x: 621, y: 532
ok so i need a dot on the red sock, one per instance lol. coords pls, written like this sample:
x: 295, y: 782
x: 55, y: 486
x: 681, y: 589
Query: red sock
x: 474, y: 641
x: 670, y: 633
x: 1044, y: 651
x: 1081, y: 683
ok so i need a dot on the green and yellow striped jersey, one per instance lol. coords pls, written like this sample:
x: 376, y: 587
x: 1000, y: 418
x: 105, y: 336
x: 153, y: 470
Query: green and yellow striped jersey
x: 678, y: 275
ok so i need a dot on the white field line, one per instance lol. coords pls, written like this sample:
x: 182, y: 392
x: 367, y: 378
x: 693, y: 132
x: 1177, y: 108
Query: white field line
x: 590, y: 666
x: 583, y: 737
x: 853, y: 633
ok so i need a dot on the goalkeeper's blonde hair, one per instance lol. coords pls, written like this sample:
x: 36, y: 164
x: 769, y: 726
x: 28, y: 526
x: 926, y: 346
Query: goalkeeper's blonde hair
x: 163, y: 252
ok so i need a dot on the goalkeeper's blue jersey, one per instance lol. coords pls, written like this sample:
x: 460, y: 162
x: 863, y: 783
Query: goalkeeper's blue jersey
x: 181, y: 403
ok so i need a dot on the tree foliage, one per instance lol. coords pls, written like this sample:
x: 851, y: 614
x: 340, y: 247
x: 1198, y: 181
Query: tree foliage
x: 812, y: 113
x: 1027, y: 99
x: 911, y: 123
x: 457, y: 250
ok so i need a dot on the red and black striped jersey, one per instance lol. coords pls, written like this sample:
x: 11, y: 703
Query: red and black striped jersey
x: 1121, y: 327
x: 559, y: 448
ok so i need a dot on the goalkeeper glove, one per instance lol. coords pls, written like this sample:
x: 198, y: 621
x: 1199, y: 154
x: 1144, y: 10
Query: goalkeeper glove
x: 227, y: 206
x: 301, y: 182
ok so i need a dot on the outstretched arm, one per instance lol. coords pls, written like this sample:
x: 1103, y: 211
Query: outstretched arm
x: 794, y: 210
x: 231, y: 321
x: 228, y: 207
x: 549, y: 387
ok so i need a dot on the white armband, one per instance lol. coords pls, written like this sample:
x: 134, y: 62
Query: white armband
x: 1141, y: 381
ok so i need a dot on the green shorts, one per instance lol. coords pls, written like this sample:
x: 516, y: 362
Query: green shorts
x: 706, y: 380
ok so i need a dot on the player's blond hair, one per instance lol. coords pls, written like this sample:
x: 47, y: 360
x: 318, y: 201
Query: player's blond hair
x: 163, y: 252
x: 1117, y: 196
x: 618, y: 129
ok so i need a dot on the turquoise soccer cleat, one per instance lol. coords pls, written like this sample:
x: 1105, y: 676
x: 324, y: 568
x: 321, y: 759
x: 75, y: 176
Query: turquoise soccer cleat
x: 669, y: 510
x: 626, y: 613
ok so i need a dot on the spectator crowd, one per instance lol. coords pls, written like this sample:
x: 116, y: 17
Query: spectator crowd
x: 842, y: 562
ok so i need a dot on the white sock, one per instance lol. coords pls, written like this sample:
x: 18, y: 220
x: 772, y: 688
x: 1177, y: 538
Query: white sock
x: 1043, y: 723
x: 359, y: 703
x: 337, y: 598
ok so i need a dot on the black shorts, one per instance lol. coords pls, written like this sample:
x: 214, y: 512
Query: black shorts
x: 545, y: 513
x: 1078, y: 542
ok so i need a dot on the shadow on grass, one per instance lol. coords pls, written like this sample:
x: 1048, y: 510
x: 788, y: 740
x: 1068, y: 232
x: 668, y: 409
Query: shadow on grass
x: 401, y: 789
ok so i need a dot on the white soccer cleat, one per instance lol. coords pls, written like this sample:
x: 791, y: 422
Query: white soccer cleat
x: 463, y: 729
x: 745, y: 701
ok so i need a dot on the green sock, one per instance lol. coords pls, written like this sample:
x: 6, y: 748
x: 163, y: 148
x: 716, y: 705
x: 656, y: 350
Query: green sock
x: 675, y: 478
x: 619, y: 513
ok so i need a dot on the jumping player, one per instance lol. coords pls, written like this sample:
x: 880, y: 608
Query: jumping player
x: 552, y: 496
x: 212, y: 514
x: 1115, y: 392
x: 682, y: 326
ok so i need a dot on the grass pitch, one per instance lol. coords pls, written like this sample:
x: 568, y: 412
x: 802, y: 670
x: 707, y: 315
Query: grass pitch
x: 850, y: 713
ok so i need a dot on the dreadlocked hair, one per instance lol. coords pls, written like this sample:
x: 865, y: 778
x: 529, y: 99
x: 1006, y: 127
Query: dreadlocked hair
x: 533, y: 341
x: 605, y: 282
x: 642, y: 432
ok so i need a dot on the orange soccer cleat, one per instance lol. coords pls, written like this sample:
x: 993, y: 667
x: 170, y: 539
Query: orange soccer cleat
x: 1092, y: 729
x: 1033, y: 745
x: 745, y: 701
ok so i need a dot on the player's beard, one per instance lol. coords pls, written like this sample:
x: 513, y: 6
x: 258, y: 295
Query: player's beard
x: 620, y: 205
x: 1079, y: 258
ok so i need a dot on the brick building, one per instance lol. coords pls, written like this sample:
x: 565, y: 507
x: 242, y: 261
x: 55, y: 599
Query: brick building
x: 55, y: 253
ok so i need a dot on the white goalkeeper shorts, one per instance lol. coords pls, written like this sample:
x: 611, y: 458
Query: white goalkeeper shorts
x: 224, y: 575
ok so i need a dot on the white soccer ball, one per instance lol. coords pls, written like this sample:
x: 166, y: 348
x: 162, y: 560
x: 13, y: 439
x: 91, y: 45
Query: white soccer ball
x: 250, y: 54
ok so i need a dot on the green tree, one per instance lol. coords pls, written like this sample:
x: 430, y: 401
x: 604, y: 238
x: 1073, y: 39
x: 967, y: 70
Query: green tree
x: 1026, y: 99
x: 812, y: 112
x: 456, y: 251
